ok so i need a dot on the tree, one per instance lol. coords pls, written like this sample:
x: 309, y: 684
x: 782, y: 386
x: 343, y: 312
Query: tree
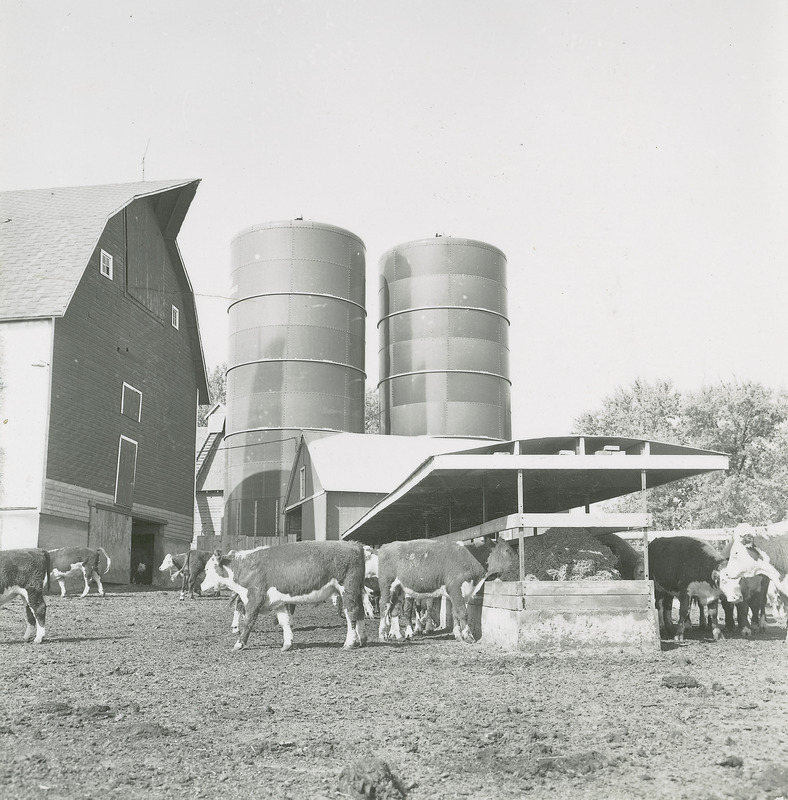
x: 642, y: 410
x: 217, y: 391
x: 371, y: 411
x: 745, y: 420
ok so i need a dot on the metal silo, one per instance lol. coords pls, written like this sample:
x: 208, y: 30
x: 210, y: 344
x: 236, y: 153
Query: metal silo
x: 295, y: 358
x: 444, y: 340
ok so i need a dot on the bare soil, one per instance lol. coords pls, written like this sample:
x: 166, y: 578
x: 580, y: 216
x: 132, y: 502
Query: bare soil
x: 141, y: 696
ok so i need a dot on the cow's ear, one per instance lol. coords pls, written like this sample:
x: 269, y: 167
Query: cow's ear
x: 217, y: 554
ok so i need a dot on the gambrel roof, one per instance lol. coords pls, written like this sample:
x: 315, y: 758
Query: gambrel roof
x: 47, y: 237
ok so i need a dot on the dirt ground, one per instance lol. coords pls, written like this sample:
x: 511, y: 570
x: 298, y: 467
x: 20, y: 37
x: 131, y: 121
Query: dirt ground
x: 141, y: 696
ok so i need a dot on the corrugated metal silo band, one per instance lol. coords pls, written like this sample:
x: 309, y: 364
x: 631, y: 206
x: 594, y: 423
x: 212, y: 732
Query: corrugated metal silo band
x: 297, y: 360
x: 442, y: 371
x: 298, y: 294
x: 414, y: 309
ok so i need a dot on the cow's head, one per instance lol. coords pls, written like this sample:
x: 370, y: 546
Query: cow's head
x: 219, y: 574
x: 168, y: 563
x: 745, y: 534
x: 504, y: 563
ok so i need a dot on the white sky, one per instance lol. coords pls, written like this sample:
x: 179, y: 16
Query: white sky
x: 631, y: 159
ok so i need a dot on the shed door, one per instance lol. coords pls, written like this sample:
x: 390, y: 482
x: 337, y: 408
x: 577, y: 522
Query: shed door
x: 112, y: 531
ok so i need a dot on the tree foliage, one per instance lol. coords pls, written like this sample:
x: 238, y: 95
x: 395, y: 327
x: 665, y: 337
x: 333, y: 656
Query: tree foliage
x: 217, y: 390
x: 371, y: 411
x: 743, y: 419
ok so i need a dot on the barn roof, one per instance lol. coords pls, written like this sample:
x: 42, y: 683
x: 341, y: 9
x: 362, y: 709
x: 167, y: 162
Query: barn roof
x: 47, y: 237
x: 370, y: 463
x: 451, y: 492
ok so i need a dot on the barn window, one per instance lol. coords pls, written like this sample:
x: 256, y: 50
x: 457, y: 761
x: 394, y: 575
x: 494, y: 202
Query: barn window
x: 106, y: 264
x: 176, y: 318
x: 127, y: 469
x: 302, y: 483
x: 131, y: 402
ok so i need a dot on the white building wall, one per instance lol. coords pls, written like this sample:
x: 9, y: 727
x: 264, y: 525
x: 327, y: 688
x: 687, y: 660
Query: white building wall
x: 25, y: 379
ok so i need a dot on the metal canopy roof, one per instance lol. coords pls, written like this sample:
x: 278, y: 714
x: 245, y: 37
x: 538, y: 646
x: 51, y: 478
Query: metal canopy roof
x: 456, y: 491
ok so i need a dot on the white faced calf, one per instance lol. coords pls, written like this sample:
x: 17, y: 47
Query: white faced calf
x: 267, y: 580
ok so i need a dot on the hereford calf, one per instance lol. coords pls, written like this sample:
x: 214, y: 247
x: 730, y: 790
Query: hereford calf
x: 191, y: 568
x: 25, y: 574
x: 422, y: 569
x: 266, y: 580
x: 73, y: 560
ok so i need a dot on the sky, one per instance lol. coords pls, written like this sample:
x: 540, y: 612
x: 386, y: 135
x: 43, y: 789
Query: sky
x: 630, y: 159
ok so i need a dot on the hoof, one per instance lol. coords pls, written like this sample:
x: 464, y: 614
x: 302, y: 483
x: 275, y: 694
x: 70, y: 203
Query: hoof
x: 238, y: 646
x: 286, y: 647
x: 717, y: 634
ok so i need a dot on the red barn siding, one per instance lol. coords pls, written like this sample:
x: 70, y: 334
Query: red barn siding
x: 108, y: 337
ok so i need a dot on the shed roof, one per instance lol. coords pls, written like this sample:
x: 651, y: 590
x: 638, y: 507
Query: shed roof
x: 558, y: 474
x: 47, y: 237
x: 360, y: 462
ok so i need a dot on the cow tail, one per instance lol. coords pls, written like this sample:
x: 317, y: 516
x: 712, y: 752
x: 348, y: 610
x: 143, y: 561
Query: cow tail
x: 106, y: 555
x: 48, y: 564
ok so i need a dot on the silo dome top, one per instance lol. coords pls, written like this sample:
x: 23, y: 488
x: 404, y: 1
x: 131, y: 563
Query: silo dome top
x: 443, y: 241
x: 301, y: 224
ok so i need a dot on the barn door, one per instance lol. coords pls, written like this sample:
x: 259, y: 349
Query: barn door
x: 112, y: 531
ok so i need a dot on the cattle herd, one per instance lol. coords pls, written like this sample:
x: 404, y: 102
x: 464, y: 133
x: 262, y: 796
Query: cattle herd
x: 406, y: 576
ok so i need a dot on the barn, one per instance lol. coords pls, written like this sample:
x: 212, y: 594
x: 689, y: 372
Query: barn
x: 101, y: 370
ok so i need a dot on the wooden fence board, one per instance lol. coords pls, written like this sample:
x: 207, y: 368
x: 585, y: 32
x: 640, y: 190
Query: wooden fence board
x: 597, y: 602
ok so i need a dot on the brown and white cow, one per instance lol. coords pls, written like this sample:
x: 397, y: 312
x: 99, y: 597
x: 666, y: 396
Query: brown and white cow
x: 25, y: 574
x: 73, y: 560
x: 421, y: 569
x: 191, y: 568
x: 268, y: 579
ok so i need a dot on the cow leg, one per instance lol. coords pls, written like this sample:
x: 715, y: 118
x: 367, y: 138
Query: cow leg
x: 712, y: 613
x: 237, y: 611
x: 461, y: 629
x: 356, y: 635
x: 665, y: 613
x: 253, y: 607
x: 743, y: 618
x: 408, y: 606
x: 62, y: 585
x: 369, y: 608
x: 36, y: 613
x: 703, y: 619
x: 99, y: 585
x: 390, y: 602
x: 184, y: 584
x: 395, y: 610
x: 429, y: 617
x: 85, y: 574
x: 287, y: 632
x: 684, y: 601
